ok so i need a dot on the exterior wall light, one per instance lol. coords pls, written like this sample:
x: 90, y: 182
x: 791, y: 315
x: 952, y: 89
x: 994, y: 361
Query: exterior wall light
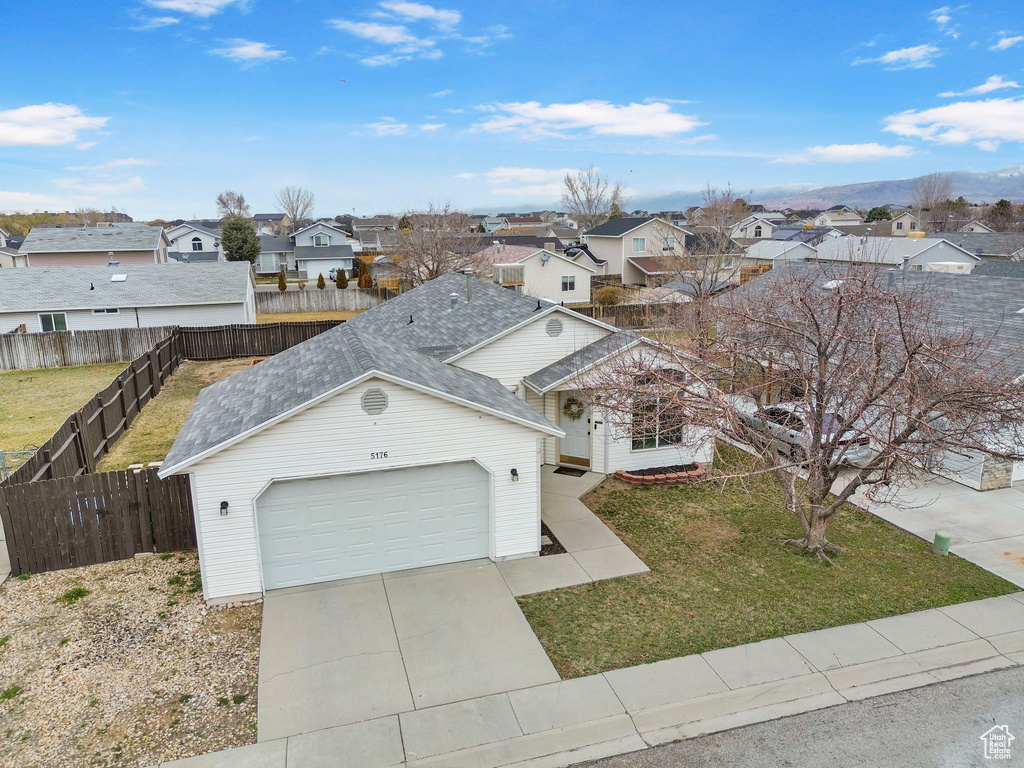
x: 223, y: 508
x: 515, y: 474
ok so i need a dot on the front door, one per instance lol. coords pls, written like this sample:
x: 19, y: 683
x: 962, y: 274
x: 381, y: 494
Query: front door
x: 574, y: 418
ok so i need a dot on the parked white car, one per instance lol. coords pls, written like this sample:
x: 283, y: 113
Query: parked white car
x: 790, y: 435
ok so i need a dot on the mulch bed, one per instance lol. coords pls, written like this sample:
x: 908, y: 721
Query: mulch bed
x: 554, y: 548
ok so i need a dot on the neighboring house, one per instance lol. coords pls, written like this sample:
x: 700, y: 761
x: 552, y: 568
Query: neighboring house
x: 526, y: 224
x: 3, y: 239
x: 986, y: 245
x: 312, y: 250
x: 546, y: 275
x: 903, y: 224
x: 374, y: 222
x: 766, y: 254
x: 271, y: 223
x: 10, y: 258
x: 379, y: 241
x: 193, y: 242
x: 277, y: 252
x: 918, y: 253
x: 757, y: 227
x: 976, y: 227
x: 125, y: 296
x: 76, y: 246
x: 411, y: 435
x: 837, y: 216
x: 494, y: 223
x: 615, y: 241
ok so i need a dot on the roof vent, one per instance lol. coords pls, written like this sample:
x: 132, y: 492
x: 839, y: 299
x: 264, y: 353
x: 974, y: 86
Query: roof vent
x: 374, y: 401
x: 554, y: 327
x: 455, y: 301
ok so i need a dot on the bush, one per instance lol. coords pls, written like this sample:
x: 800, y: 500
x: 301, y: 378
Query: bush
x: 302, y: 285
x: 365, y: 281
x: 282, y: 282
x: 320, y: 282
x: 341, y: 279
x: 608, y: 296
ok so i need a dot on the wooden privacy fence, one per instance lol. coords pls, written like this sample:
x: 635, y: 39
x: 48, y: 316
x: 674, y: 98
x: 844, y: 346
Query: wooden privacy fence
x: 226, y: 341
x: 635, y: 315
x: 95, y: 518
x: 88, y: 434
x: 331, y: 299
x: 58, y: 349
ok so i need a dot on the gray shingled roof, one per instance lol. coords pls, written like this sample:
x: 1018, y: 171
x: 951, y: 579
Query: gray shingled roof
x: 581, y: 360
x: 619, y: 226
x: 436, y: 329
x: 36, y: 289
x: 193, y: 257
x: 304, y: 252
x: 276, y: 244
x: 1000, y: 269
x: 988, y: 243
x: 89, y: 239
x: 290, y: 379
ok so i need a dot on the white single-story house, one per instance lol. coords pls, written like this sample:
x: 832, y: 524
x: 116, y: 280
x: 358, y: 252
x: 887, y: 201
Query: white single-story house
x: 90, y: 298
x: 412, y: 435
x: 546, y: 275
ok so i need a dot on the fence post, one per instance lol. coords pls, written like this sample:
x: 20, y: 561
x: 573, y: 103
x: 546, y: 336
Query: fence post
x: 84, y: 455
x: 103, y: 424
x: 154, y: 372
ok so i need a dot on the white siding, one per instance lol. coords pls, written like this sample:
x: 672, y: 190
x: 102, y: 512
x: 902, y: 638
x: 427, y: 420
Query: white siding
x: 337, y: 237
x: 85, y: 320
x: 515, y: 356
x: 182, y: 242
x: 337, y: 436
x: 200, y: 314
x: 545, y: 280
x: 547, y: 405
x: 613, y: 450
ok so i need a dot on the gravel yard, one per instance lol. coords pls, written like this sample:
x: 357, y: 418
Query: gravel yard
x: 122, y: 664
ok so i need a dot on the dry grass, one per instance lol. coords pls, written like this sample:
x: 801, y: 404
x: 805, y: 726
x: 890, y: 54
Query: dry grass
x: 152, y: 433
x: 34, y: 403
x: 721, y: 576
x: 134, y: 672
x: 303, y: 317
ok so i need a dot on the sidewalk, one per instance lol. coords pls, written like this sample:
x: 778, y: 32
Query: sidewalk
x: 629, y: 709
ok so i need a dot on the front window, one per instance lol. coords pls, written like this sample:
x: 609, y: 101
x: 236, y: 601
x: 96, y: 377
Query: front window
x: 639, y: 244
x: 657, y: 418
x: 668, y: 243
x: 109, y: 311
x: 568, y: 282
x: 913, y: 225
x: 197, y: 244
x: 321, y: 240
x: 899, y: 225
x: 55, y: 321
x: 757, y: 231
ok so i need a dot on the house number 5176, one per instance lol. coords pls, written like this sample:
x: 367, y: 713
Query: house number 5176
x: 379, y: 455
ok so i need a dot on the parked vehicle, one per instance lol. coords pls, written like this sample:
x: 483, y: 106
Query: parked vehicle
x: 790, y: 435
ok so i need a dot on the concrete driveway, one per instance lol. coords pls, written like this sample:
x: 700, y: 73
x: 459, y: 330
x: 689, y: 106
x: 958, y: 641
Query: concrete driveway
x: 348, y: 651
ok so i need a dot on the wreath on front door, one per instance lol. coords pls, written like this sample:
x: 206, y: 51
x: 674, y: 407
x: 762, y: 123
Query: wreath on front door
x: 573, y: 408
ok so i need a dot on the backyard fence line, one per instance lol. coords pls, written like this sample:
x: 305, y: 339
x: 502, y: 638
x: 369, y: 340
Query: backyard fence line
x: 89, y: 433
x: 312, y: 300
x: 59, y: 349
x: 94, y: 518
x: 635, y: 316
x: 228, y: 341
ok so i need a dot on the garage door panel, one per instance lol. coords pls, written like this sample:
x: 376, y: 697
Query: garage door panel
x: 336, y: 527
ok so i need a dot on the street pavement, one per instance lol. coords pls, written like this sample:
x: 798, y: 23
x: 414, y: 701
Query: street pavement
x: 938, y: 726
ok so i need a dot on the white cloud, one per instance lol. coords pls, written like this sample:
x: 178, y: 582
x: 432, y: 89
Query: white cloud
x: 101, y: 188
x: 455, y: 111
x: 201, y: 8
x: 593, y: 117
x: 124, y: 162
x: 247, y: 52
x: 431, y: 126
x: 383, y: 60
x: 943, y: 18
x: 445, y: 92
x: 511, y: 180
x: 443, y: 19
x: 553, y: 189
x: 154, y: 22
x: 464, y: 176
x: 1005, y: 43
x: 985, y: 123
x: 388, y: 127
x: 846, y: 153
x: 917, y: 57
x: 83, y: 145
x: 45, y: 124
x: 17, y: 201
x: 385, y: 34
x: 994, y: 83
x: 488, y: 36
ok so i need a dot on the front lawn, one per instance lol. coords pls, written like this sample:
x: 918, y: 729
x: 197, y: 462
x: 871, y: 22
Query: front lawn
x: 152, y: 433
x: 35, y: 402
x: 720, y: 576
x: 122, y: 664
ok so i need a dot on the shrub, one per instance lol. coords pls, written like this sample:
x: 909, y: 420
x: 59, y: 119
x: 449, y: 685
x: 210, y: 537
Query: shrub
x: 282, y: 282
x: 302, y: 285
x: 341, y: 279
x: 608, y: 296
x: 320, y: 282
x: 365, y: 281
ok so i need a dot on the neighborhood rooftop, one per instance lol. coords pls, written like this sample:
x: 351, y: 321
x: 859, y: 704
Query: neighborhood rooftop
x: 72, y: 239
x: 617, y: 227
x: 580, y: 361
x: 324, y: 364
x: 36, y: 289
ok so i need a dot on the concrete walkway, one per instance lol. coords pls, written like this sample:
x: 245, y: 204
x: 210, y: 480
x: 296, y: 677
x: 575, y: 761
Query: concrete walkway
x: 587, y: 718
x: 987, y: 526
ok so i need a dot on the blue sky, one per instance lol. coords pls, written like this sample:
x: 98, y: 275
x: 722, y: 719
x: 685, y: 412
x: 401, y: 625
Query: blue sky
x: 158, y: 105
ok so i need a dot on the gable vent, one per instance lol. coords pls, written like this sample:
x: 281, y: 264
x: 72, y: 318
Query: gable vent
x: 554, y: 327
x: 374, y: 401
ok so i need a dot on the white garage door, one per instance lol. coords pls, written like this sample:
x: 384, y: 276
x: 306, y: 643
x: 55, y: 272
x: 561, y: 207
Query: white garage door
x: 319, y: 529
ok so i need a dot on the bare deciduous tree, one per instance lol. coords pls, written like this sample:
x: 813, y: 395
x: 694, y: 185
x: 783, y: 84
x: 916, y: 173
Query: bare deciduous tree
x: 232, y: 205
x: 590, y: 198
x: 858, y: 356
x: 436, y: 244
x: 88, y: 217
x: 296, y: 202
x: 929, y: 200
